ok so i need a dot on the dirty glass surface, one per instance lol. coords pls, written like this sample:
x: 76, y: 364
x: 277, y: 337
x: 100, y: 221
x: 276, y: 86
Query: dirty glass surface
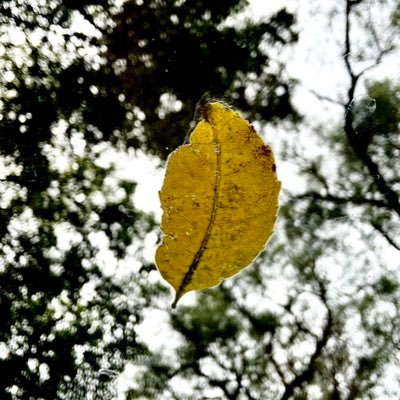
x: 94, y: 95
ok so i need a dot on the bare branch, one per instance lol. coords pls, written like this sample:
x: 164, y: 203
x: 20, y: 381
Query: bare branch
x: 347, y: 49
x: 360, y: 149
x: 362, y: 154
x: 343, y: 200
x: 378, y: 60
x: 325, y: 98
x: 391, y: 241
x: 309, y: 372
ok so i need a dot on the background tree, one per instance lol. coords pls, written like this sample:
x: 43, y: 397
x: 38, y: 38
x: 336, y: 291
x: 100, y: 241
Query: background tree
x: 318, y: 317
x: 169, y: 54
x: 62, y: 313
x: 83, y: 83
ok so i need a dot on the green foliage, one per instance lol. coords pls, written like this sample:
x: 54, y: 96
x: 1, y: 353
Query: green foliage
x: 76, y: 78
x: 51, y: 331
x: 184, y: 49
x: 204, y: 325
x: 317, y: 318
x: 387, y: 286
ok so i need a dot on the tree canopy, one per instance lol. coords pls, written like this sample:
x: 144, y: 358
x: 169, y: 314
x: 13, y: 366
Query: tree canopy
x: 80, y: 84
x: 86, y: 85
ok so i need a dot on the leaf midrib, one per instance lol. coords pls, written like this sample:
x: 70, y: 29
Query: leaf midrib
x: 194, y: 264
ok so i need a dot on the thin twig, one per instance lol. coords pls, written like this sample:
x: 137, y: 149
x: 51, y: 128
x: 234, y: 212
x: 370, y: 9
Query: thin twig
x: 309, y: 372
x: 323, y: 97
x: 380, y: 229
x: 343, y: 200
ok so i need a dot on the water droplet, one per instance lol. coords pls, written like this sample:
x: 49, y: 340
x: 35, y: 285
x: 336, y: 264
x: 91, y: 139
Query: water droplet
x: 362, y: 106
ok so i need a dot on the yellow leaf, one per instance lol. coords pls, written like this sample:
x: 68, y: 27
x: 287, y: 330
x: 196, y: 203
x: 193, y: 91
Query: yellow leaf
x: 219, y: 201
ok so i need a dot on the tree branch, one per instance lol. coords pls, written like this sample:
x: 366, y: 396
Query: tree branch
x: 323, y: 97
x: 309, y: 372
x: 195, y: 367
x: 359, y: 148
x: 380, y: 229
x: 343, y: 200
x: 347, y: 50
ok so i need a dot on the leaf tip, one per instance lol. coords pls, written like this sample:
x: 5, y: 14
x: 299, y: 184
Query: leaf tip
x: 178, y: 295
x: 175, y: 302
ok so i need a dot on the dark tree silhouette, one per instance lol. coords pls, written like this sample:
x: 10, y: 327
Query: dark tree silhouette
x: 164, y: 53
x: 80, y: 80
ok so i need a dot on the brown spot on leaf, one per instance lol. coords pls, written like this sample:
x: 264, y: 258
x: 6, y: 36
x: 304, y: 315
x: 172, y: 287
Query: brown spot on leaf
x: 205, y: 111
x: 264, y: 150
x: 245, y: 133
x: 274, y: 167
